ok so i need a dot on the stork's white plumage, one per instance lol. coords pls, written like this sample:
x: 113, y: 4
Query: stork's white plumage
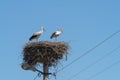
x: 56, y: 34
x: 37, y: 34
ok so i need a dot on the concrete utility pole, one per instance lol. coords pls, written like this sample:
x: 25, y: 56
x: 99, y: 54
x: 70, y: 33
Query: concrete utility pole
x: 45, y: 71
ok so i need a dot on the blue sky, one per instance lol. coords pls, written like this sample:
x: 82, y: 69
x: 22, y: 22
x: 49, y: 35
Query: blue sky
x: 85, y: 23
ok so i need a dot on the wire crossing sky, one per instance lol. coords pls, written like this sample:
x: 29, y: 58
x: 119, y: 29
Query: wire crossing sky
x: 90, y: 50
x: 85, y: 23
x: 92, y: 64
x: 103, y: 70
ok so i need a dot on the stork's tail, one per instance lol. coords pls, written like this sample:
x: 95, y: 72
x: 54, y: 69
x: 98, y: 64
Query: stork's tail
x: 51, y: 37
x: 30, y: 39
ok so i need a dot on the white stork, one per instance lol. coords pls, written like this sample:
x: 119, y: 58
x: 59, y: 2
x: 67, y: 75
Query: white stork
x: 56, y: 34
x: 37, y: 34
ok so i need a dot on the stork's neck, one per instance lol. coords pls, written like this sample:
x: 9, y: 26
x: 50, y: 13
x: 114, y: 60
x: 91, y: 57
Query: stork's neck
x: 60, y: 31
x: 41, y: 31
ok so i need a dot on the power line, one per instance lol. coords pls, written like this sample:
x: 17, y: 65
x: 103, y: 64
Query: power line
x: 109, y: 37
x: 105, y: 69
x: 92, y: 64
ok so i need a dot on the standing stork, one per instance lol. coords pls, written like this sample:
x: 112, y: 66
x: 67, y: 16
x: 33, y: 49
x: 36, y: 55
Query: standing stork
x: 37, y: 34
x: 56, y: 34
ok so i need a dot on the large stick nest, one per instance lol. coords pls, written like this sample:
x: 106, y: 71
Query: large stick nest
x: 44, y: 52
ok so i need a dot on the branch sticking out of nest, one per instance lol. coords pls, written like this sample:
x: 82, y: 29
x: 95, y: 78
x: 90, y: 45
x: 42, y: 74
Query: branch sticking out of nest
x: 44, y: 52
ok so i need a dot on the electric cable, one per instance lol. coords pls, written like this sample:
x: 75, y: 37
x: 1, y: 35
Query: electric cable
x: 90, y: 50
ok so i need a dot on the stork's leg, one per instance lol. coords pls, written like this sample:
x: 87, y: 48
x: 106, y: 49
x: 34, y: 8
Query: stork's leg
x: 36, y: 39
x: 56, y: 39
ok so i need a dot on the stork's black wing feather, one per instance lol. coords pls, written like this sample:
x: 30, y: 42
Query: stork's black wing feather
x: 32, y: 37
x: 53, y: 35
